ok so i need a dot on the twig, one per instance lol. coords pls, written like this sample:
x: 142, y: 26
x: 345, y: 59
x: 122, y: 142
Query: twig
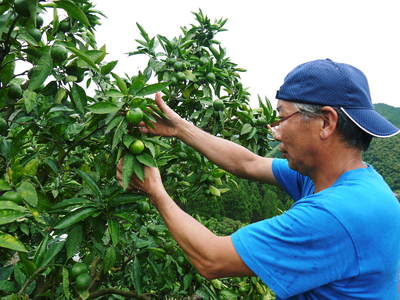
x: 128, y: 294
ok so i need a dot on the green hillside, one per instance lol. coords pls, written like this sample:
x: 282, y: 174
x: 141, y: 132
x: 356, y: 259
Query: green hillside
x: 384, y: 154
x: 391, y: 113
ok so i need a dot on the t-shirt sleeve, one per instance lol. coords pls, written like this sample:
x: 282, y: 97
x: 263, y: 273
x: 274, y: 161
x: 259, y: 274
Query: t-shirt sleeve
x: 295, y: 184
x: 304, y: 248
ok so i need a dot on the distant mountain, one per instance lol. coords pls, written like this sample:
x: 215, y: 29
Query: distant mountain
x: 389, y: 112
x: 384, y: 154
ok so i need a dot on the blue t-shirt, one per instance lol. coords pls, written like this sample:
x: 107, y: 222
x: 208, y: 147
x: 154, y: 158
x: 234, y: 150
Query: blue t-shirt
x: 340, y: 243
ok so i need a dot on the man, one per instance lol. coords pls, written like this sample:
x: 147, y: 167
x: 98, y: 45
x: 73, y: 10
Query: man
x: 341, y: 238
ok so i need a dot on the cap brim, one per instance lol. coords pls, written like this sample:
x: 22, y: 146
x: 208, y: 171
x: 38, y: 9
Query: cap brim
x: 371, y: 122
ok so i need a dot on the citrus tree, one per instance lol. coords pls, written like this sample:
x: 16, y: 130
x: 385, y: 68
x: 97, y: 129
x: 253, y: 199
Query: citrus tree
x: 67, y: 229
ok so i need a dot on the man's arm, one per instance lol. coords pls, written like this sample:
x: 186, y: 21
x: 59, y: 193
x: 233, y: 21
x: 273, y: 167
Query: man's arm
x: 228, y: 155
x: 213, y: 256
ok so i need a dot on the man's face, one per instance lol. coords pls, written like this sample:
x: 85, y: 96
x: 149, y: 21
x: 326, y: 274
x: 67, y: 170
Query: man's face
x: 298, y: 137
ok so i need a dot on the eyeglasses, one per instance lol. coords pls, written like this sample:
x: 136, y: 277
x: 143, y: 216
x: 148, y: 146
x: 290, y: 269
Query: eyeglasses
x: 277, y: 123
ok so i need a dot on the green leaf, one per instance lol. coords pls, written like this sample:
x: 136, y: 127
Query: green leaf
x: 137, y: 275
x: 214, y: 191
x: 19, y: 276
x: 109, y: 259
x: 126, y: 199
x: 78, y: 95
x: 10, y: 242
x: 29, y: 98
x: 143, y: 32
x: 4, y: 185
x: 28, y: 193
x: 137, y: 84
x: 128, y: 140
x: 71, y: 202
x: 41, y: 71
x: 147, y: 160
x: 113, y: 227
x: 119, y: 133
x: 107, y: 68
x: 152, y: 88
x: 65, y: 281
x: 127, y: 170
x: 246, y: 129
x: 114, y: 122
x: 11, y: 206
x: 82, y: 55
x: 54, y: 247
x: 149, y: 145
x: 7, y: 69
x: 104, y: 108
x: 138, y: 169
x: 73, y: 11
x: 52, y: 164
x: 74, y: 240
x: 75, y: 217
x: 187, y: 281
x: 121, y: 84
x: 41, y: 249
x: 91, y: 183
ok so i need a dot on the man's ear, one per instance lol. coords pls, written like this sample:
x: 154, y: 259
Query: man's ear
x: 330, y: 119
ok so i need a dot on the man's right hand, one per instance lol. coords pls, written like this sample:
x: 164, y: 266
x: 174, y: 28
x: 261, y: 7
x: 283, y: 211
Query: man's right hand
x: 168, y: 126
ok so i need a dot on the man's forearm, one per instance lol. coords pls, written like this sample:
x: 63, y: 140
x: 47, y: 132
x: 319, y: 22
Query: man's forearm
x: 226, y: 154
x: 213, y: 256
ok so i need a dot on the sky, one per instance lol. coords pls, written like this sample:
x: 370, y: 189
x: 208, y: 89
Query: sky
x: 269, y: 38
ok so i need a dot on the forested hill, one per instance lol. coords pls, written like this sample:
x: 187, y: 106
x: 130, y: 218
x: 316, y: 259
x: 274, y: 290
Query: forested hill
x: 389, y: 112
x: 384, y: 154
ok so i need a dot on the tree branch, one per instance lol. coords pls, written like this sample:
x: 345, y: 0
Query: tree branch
x: 128, y: 294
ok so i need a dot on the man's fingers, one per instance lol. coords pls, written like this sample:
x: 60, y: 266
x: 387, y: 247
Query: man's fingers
x: 161, y: 104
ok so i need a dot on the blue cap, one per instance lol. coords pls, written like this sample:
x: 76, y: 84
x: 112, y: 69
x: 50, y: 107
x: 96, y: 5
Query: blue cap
x: 325, y: 82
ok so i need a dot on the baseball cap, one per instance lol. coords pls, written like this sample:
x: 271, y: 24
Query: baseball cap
x: 325, y: 82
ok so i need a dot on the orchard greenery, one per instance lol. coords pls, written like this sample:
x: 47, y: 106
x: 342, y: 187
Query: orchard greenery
x: 67, y: 229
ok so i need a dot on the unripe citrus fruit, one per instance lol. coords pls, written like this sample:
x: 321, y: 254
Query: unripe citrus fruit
x: 204, y: 60
x: 211, y: 76
x: 180, y: 76
x: 261, y: 121
x: 83, y: 281
x: 22, y: 7
x: 78, y: 269
x: 179, y: 66
x: 144, y: 207
x: 218, y: 105
x: 134, y: 116
x: 59, y: 53
x: 14, y: 91
x: 136, y: 147
x: 64, y: 25
x: 39, y: 21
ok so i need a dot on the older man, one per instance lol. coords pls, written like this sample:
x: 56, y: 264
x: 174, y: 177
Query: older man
x: 341, y: 237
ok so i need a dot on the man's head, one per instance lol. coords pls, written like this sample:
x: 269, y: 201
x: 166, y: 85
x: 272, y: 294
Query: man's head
x: 341, y: 86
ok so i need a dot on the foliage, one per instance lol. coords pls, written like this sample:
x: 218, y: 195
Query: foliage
x: 60, y: 202
x: 389, y: 112
x: 384, y: 154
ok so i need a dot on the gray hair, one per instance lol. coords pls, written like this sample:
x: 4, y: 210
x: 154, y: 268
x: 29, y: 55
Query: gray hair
x: 353, y: 135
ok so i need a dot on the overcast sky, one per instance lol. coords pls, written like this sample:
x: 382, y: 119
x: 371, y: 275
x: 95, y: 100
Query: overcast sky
x: 269, y: 38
